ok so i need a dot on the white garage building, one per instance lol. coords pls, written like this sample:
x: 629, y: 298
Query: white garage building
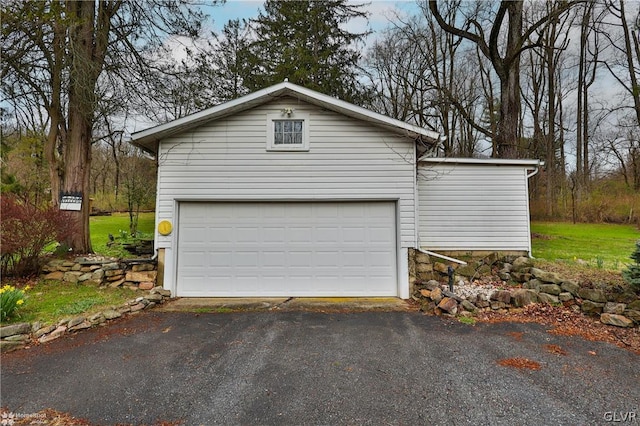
x: 288, y: 192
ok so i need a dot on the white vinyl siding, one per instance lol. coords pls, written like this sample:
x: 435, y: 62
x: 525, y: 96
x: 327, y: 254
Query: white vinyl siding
x: 347, y: 159
x: 227, y: 160
x: 467, y: 207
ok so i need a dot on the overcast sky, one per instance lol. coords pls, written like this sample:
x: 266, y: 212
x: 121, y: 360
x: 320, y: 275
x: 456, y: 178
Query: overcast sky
x: 381, y: 12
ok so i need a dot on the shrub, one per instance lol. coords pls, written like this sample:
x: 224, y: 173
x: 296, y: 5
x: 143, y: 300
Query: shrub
x: 11, y: 298
x: 26, y: 230
x: 632, y: 273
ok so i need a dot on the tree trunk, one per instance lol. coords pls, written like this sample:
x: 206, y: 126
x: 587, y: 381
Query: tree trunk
x: 508, y: 70
x: 87, y: 38
x: 550, y: 62
x: 629, y: 48
x: 76, y: 177
x: 508, y: 124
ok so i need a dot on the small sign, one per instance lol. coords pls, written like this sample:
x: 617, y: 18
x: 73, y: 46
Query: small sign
x: 71, y: 201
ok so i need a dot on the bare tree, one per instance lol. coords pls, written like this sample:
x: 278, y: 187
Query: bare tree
x: 629, y: 50
x: 505, y: 59
x: 56, y: 60
x: 138, y: 180
x: 420, y: 74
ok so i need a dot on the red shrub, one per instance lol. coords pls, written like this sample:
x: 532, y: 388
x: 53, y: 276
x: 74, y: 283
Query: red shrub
x: 26, y: 230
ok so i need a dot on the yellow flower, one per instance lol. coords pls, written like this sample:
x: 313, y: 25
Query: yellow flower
x: 27, y: 288
x: 19, y: 302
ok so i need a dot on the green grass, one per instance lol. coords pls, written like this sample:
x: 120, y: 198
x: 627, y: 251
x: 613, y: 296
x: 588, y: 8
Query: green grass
x: 602, y: 246
x: 467, y: 320
x: 51, y: 301
x: 102, y: 226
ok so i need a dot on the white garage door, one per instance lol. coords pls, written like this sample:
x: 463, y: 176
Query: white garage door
x: 287, y: 249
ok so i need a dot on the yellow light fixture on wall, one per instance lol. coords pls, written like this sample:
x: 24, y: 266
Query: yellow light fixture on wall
x: 165, y: 227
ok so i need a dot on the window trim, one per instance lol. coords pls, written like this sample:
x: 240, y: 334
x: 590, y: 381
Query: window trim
x: 272, y: 118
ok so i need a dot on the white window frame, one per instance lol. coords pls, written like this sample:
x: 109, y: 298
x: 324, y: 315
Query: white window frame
x: 272, y: 118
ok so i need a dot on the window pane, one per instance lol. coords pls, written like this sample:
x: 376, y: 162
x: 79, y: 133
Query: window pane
x: 288, y: 132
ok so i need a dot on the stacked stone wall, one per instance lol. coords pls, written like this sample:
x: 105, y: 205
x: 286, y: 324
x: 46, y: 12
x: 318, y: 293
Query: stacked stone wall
x: 134, y: 273
x: 500, y: 283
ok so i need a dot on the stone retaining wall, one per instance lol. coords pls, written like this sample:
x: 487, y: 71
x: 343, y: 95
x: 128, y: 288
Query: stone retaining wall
x: 18, y: 336
x: 502, y: 283
x: 92, y: 270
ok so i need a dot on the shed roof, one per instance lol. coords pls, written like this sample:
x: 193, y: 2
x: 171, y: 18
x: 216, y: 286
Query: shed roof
x: 485, y: 161
x: 148, y: 138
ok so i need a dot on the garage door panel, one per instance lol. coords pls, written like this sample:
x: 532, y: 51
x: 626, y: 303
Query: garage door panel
x: 245, y: 259
x: 287, y: 249
x: 327, y: 234
x: 300, y: 234
x: 380, y: 235
x: 273, y: 234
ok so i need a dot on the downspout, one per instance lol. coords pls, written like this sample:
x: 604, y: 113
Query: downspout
x: 529, y: 176
x: 534, y: 172
x: 155, y: 231
x: 442, y: 256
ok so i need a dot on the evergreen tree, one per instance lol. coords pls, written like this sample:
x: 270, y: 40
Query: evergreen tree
x: 306, y: 42
x: 632, y: 273
x: 229, y: 60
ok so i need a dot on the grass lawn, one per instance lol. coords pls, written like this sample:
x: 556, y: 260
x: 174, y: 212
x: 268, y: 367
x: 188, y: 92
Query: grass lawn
x: 604, y: 246
x: 52, y: 301
x: 117, y: 224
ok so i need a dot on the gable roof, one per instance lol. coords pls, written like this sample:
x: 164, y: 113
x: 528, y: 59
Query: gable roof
x: 148, y: 139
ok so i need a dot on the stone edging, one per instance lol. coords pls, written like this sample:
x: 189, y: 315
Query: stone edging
x: 21, y: 335
x: 617, y: 308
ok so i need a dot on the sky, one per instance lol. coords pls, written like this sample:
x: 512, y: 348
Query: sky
x: 381, y: 12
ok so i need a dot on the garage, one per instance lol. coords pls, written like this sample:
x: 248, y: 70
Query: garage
x: 285, y: 192
x: 286, y: 249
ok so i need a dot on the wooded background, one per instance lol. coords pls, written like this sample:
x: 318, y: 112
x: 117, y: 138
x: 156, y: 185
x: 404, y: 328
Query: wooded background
x: 552, y: 80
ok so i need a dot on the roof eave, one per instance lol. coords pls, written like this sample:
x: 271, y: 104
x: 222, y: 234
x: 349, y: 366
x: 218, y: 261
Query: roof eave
x: 489, y: 161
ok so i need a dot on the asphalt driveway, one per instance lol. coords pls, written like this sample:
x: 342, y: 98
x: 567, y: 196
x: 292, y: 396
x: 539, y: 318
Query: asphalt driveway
x: 297, y: 368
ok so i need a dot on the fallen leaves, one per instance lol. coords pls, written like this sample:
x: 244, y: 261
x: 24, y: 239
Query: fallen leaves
x: 516, y: 335
x: 565, y: 322
x: 521, y: 363
x: 555, y: 349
